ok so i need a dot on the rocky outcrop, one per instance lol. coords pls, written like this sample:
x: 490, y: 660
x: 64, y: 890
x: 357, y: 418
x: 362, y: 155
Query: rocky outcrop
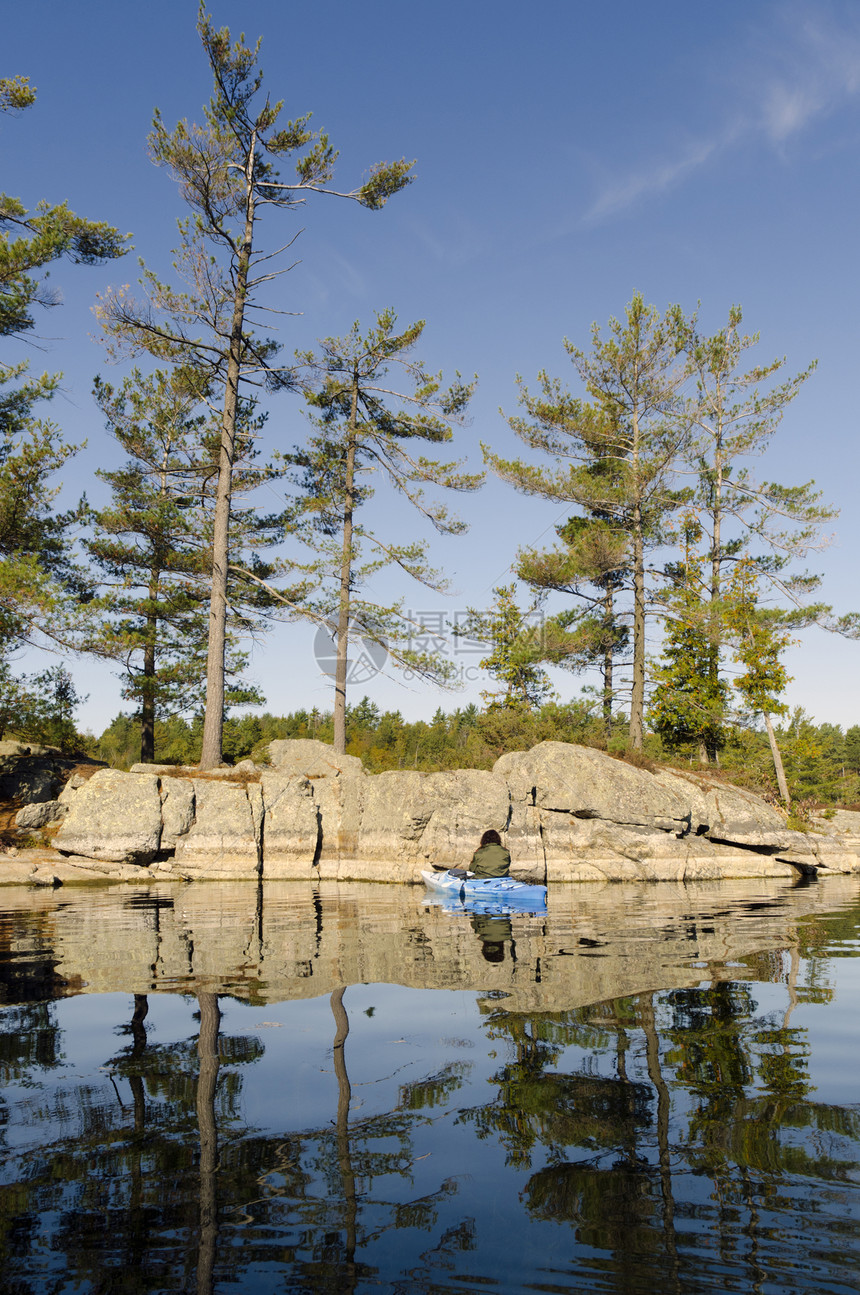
x: 39, y: 779
x: 587, y: 784
x: 223, y: 840
x: 567, y: 813
x: 599, y: 818
x: 32, y: 774
x: 177, y: 810
x: 312, y: 759
x: 39, y: 813
x: 309, y: 786
x: 115, y: 817
x: 412, y: 821
x: 293, y: 827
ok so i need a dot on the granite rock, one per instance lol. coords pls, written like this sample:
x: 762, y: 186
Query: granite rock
x: 115, y: 817
x: 224, y: 839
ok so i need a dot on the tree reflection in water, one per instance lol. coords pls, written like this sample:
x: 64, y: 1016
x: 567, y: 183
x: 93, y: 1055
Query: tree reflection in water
x: 347, y: 1176
x: 722, y: 1095
x: 661, y: 1140
x: 348, y: 1169
x: 609, y: 1193
x: 207, y: 1081
x: 171, y: 1189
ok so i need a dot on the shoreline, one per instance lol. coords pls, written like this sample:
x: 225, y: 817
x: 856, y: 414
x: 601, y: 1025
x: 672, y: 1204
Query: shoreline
x: 39, y: 866
x: 567, y: 814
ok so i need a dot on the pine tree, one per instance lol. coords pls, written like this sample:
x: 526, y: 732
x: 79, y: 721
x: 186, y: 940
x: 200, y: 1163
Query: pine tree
x: 152, y: 546
x: 852, y: 747
x: 365, y: 432
x: 622, y: 450
x: 760, y: 635
x: 40, y: 707
x: 41, y: 586
x: 592, y: 564
x: 689, y: 703
x: 517, y: 648
x: 227, y: 175
x: 591, y: 568
x: 734, y: 414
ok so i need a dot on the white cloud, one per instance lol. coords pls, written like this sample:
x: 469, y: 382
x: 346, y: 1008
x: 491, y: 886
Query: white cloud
x: 808, y: 69
x: 787, y: 109
x: 804, y: 65
x: 661, y: 176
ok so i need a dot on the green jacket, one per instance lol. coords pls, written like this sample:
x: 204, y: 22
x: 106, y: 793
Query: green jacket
x: 491, y: 861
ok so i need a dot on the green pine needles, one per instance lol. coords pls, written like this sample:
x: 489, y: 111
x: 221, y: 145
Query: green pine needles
x: 374, y: 406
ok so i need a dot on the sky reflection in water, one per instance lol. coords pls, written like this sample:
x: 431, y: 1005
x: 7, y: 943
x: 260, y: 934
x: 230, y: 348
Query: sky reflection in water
x: 351, y: 1088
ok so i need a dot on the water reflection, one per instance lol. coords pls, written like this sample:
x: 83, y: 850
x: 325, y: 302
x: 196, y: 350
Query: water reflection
x: 273, y: 1123
x: 207, y: 1080
x: 592, y: 944
x: 347, y: 1175
x: 494, y: 933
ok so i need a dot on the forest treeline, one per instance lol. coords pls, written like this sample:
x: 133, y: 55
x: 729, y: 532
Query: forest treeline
x: 822, y: 761
x: 678, y: 577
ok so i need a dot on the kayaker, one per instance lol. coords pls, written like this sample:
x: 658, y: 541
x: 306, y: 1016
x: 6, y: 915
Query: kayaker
x: 493, y: 932
x: 491, y: 859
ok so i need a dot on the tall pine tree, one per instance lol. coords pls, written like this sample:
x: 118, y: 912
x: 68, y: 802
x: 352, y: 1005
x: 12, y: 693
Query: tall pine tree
x: 371, y: 428
x: 733, y: 414
x: 620, y: 453
x: 517, y: 649
x: 227, y: 174
x: 152, y: 545
x: 760, y: 637
x: 41, y: 586
x: 688, y: 703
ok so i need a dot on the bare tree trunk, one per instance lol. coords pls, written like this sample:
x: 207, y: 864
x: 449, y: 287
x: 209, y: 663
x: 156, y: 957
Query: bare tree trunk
x: 147, y: 701
x: 135, y: 1079
x: 213, y: 723
x: 664, y: 1150
x: 794, y: 968
x: 138, y: 1248
x: 342, y: 661
x: 607, y: 664
x: 777, y: 762
x: 147, y: 708
x: 714, y: 620
x: 637, y: 697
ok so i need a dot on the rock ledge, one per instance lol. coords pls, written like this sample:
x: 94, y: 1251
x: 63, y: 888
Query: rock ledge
x: 567, y: 813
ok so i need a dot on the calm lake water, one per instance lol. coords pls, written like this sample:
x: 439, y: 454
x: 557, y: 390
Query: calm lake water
x: 350, y: 1088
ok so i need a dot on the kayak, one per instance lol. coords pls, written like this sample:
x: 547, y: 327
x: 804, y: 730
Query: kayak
x: 482, y: 905
x: 494, y: 890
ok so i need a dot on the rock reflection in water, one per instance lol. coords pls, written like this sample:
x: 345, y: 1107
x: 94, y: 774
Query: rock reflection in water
x: 624, y: 1100
x: 292, y: 940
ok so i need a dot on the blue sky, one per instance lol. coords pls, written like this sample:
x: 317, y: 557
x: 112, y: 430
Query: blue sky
x: 567, y: 156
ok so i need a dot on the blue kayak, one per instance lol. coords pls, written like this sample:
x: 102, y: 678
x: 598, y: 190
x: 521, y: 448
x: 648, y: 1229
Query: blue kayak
x: 491, y: 890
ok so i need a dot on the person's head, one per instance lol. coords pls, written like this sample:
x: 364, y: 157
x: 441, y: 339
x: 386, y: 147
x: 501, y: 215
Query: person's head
x: 493, y: 951
x: 491, y: 837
